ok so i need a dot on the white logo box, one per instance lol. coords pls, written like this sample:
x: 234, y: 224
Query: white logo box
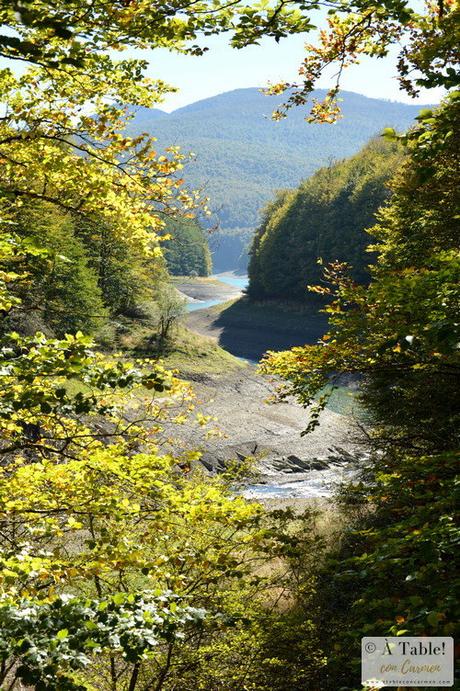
x: 407, y: 661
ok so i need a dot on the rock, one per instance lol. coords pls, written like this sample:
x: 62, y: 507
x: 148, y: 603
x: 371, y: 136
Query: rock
x: 319, y: 465
x: 216, y: 460
x: 299, y: 462
x: 269, y: 433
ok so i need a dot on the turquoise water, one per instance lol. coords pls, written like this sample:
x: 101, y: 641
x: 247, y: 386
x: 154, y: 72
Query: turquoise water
x: 202, y: 304
x: 240, y: 282
x: 343, y: 400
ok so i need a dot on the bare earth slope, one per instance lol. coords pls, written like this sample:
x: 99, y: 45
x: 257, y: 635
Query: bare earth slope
x: 289, y: 464
x: 271, y: 433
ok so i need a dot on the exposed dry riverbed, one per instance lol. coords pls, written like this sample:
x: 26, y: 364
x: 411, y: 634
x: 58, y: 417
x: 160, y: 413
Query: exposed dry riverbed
x: 290, y: 466
x: 204, y: 293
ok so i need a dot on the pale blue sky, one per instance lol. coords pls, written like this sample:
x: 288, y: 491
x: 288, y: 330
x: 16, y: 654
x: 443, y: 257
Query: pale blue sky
x: 223, y: 69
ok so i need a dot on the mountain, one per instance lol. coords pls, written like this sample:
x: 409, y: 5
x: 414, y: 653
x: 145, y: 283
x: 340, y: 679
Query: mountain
x: 243, y: 157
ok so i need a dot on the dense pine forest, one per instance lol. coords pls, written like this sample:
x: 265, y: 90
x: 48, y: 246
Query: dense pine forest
x: 131, y: 559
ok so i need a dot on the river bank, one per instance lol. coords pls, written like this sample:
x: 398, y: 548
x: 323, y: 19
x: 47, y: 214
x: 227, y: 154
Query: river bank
x: 248, y: 330
x: 243, y: 328
x: 202, y: 293
x: 290, y: 467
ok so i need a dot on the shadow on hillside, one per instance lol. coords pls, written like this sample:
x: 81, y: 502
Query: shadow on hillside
x: 249, y: 329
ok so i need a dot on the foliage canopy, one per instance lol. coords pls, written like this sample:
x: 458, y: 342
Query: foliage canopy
x: 94, y: 501
x: 400, y: 336
x: 323, y: 220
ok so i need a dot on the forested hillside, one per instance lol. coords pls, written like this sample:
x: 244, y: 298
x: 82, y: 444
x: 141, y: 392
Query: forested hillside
x: 243, y: 157
x: 124, y: 564
x: 75, y: 273
x: 393, y: 572
x: 187, y: 252
x: 82, y: 275
x: 325, y: 218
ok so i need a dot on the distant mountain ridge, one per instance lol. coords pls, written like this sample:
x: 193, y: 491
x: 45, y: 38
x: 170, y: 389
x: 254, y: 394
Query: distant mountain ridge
x: 243, y: 156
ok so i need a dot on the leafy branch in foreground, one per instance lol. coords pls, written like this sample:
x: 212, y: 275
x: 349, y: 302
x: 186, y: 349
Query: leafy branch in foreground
x: 401, y: 330
x: 36, y: 650
x: 392, y: 572
x: 44, y: 415
x: 89, y: 506
x: 428, y: 58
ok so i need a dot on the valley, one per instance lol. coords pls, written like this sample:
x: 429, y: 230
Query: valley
x: 288, y: 466
x: 242, y: 157
x: 229, y: 343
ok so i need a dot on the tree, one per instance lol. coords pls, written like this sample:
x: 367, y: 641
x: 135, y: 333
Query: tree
x: 400, y: 335
x: 429, y: 56
x: 126, y: 277
x: 82, y: 485
x: 61, y: 294
x: 403, y: 325
x: 187, y: 250
x: 122, y: 179
x: 35, y: 650
x: 117, y: 177
x: 81, y: 507
x: 325, y: 219
x: 171, y: 306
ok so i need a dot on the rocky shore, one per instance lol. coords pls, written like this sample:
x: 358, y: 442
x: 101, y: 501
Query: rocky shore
x: 250, y: 427
x: 288, y: 465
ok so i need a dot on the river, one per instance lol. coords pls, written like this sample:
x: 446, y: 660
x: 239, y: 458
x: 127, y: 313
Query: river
x: 229, y: 279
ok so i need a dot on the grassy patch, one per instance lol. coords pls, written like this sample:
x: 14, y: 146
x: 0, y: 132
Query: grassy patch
x: 187, y: 351
x: 206, y: 280
x: 194, y: 354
